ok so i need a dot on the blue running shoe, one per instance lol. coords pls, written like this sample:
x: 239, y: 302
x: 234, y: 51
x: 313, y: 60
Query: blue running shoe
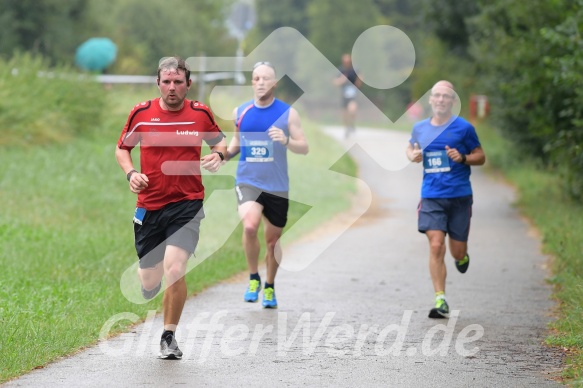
x: 269, y: 301
x: 252, y: 293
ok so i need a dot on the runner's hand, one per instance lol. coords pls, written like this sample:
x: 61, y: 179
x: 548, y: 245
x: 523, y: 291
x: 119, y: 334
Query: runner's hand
x: 138, y: 182
x: 417, y: 155
x: 277, y: 134
x: 211, y: 162
x: 453, y: 154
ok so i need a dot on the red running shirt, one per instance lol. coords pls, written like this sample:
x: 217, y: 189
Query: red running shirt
x: 170, y: 144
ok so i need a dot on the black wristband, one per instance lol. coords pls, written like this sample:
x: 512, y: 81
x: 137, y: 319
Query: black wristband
x: 129, y: 175
x: 220, y: 155
x: 463, y: 159
x: 287, y: 141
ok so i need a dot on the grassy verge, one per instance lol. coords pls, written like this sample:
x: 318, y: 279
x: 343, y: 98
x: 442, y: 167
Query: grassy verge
x: 559, y: 219
x: 66, y: 235
x: 38, y: 106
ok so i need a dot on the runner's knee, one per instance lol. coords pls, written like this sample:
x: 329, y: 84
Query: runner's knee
x: 271, y: 242
x: 250, y: 228
x: 436, y: 245
x: 174, y: 272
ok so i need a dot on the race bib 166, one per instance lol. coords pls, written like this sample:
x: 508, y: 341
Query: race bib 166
x: 435, y: 161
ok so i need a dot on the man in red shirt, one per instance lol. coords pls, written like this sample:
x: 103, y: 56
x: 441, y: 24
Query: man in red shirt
x: 170, y: 130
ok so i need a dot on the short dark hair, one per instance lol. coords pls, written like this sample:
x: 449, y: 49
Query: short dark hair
x: 174, y: 63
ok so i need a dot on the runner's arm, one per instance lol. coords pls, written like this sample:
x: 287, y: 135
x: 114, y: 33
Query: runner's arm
x: 297, y: 142
x: 235, y: 144
x: 124, y: 159
x: 137, y: 181
x: 476, y: 158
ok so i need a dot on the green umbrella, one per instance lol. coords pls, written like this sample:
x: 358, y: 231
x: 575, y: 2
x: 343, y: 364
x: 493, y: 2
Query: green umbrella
x: 96, y: 54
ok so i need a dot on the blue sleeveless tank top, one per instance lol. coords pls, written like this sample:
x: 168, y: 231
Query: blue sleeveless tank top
x: 263, y: 162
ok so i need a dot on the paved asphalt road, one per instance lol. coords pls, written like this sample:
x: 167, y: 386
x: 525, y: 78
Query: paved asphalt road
x: 357, y: 316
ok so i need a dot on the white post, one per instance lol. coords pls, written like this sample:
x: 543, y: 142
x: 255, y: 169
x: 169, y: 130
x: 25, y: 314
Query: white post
x: 201, y: 84
x: 239, y: 78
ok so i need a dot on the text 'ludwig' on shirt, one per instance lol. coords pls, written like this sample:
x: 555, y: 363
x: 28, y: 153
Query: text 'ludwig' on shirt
x: 191, y: 133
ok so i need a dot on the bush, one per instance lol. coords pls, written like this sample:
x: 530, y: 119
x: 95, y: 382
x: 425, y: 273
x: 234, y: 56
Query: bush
x: 529, y: 59
x: 40, y: 105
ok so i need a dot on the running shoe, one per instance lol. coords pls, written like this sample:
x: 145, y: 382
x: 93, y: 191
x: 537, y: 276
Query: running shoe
x: 441, y: 309
x: 463, y: 264
x: 149, y: 294
x: 169, y: 349
x: 252, y: 293
x: 269, y: 301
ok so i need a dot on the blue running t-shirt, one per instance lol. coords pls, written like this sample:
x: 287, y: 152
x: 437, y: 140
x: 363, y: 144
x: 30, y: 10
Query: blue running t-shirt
x: 263, y: 162
x: 442, y: 177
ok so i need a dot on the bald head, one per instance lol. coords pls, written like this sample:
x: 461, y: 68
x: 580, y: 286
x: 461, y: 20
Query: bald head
x: 443, y: 88
x: 443, y: 84
x: 264, y: 70
x: 441, y: 100
x: 263, y: 81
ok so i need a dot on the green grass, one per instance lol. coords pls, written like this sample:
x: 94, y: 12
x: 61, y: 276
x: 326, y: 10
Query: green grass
x: 559, y: 219
x: 66, y: 234
x: 52, y: 107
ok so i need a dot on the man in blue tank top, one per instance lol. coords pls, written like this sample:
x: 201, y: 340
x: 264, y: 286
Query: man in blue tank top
x: 447, y: 145
x: 266, y: 128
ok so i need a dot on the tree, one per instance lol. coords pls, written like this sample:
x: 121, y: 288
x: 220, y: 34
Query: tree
x: 173, y: 27
x: 564, y: 70
x: 439, y: 31
x: 404, y: 14
x: 448, y: 21
x: 272, y: 15
x: 47, y: 27
x: 335, y: 25
x: 507, y: 46
x: 529, y: 59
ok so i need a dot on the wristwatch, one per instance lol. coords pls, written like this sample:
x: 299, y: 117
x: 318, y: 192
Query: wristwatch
x: 220, y: 155
x: 129, y: 174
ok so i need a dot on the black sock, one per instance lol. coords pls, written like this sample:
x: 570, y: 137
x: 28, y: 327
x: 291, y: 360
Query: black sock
x: 255, y: 276
x: 167, y: 333
x: 267, y: 285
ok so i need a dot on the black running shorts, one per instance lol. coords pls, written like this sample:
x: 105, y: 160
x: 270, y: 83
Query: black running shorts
x: 275, y: 205
x: 175, y: 224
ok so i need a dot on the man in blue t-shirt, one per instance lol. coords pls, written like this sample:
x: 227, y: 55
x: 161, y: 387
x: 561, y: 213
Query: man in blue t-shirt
x: 265, y: 129
x: 447, y: 145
